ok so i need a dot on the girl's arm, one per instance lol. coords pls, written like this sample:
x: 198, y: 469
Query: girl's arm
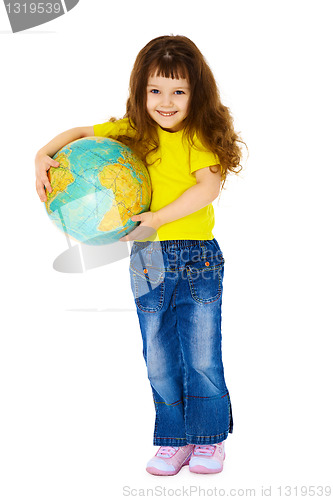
x: 193, y: 199
x: 43, y: 160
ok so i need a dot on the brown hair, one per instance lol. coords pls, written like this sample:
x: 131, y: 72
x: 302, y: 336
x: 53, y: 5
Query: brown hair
x: 208, y: 118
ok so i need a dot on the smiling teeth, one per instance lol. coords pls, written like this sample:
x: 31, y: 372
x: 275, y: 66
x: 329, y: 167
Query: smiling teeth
x: 167, y: 114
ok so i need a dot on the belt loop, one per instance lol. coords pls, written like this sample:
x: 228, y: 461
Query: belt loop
x: 203, y: 250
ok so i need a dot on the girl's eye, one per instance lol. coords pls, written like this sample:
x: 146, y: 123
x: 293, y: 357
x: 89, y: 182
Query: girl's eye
x: 177, y: 92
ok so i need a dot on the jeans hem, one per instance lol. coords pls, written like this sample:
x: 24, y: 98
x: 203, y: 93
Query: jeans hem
x: 169, y: 441
x: 190, y: 439
x: 217, y: 438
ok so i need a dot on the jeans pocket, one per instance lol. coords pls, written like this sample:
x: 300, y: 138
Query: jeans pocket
x: 147, y: 279
x: 206, y: 279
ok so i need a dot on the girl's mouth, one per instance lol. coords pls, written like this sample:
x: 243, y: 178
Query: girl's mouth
x: 164, y: 113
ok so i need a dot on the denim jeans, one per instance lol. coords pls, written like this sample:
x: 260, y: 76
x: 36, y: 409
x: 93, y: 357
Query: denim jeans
x: 177, y: 287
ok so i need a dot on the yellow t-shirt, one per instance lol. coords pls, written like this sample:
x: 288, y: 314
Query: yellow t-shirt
x: 170, y: 177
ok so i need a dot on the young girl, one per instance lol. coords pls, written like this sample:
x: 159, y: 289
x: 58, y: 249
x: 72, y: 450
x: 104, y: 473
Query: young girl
x: 177, y: 124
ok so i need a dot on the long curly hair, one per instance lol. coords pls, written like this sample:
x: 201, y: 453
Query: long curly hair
x: 211, y: 121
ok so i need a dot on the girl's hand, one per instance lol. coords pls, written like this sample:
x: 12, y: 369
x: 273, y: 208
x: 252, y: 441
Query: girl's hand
x: 149, y: 225
x: 42, y: 164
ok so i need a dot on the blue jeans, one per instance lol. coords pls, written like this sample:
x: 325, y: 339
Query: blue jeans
x: 177, y: 286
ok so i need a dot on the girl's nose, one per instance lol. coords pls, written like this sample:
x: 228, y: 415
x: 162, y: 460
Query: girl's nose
x: 166, y: 100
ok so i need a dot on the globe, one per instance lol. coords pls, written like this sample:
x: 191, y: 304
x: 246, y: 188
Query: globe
x: 97, y: 187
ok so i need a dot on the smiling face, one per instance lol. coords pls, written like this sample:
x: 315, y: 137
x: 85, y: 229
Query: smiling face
x: 168, y: 101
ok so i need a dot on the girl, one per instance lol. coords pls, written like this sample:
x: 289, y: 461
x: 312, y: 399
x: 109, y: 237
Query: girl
x: 177, y: 124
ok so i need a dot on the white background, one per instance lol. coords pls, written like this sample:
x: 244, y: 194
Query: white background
x: 77, y: 414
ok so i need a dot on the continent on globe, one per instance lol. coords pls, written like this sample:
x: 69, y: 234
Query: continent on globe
x: 97, y: 187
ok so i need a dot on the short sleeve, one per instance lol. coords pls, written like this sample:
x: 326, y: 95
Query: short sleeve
x: 200, y: 157
x: 114, y: 129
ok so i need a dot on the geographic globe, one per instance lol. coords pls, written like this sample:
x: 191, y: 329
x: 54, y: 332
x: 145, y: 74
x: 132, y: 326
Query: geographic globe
x: 97, y: 187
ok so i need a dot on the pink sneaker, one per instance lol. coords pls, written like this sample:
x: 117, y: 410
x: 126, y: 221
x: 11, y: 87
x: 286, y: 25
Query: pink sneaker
x: 207, y: 459
x: 169, y: 460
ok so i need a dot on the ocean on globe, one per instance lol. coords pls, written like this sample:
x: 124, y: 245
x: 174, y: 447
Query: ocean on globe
x: 97, y: 187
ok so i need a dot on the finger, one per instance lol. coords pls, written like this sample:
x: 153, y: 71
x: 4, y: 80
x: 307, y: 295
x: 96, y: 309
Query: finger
x: 40, y: 191
x: 129, y: 237
x: 139, y: 233
x: 132, y: 235
x: 54, y: 163
x: 46, y: 182
x: 145, y: 232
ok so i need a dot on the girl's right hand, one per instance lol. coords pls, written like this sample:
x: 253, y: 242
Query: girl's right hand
x: 43, y: 163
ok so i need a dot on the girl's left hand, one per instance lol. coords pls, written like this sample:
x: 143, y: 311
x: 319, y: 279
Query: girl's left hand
x: 149, y: 225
